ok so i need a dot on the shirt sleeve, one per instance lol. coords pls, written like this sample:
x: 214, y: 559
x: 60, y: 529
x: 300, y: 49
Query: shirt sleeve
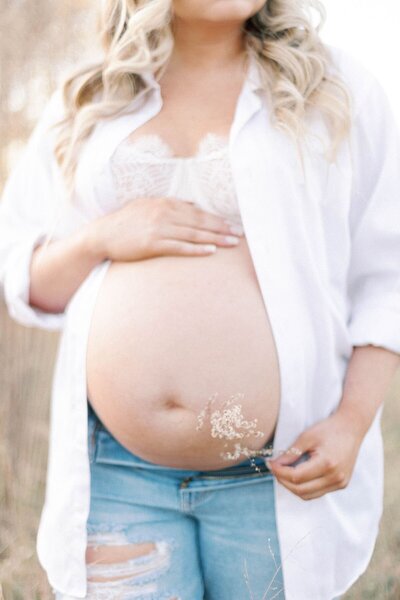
x: 374, y: 270
x: 30, y: 200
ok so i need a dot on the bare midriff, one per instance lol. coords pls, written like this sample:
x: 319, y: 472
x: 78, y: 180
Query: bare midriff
x: 181, y: 360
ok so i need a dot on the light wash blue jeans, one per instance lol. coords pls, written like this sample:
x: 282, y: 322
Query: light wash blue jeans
x: 203, y: 535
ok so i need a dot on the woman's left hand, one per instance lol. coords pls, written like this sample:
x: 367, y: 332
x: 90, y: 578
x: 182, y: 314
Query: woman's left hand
x: 333, y: 446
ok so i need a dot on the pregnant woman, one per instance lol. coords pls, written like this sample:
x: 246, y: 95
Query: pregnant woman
x: 211, y: 215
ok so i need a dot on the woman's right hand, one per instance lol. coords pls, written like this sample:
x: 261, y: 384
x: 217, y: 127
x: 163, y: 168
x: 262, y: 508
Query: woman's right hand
x: 149, y: 227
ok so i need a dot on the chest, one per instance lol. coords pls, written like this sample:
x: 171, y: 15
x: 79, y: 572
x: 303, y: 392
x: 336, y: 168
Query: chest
x: 266, y: 171
x: 190, y: 110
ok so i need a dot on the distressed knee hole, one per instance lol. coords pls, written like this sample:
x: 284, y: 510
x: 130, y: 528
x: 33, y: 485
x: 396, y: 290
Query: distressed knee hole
x: 116, y: 555
x: 116, y: 565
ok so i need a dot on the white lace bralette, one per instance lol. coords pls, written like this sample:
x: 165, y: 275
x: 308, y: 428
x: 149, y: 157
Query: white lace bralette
x: 147, y: 166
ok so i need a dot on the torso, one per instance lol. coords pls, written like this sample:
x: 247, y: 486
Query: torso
x: 170, y: 334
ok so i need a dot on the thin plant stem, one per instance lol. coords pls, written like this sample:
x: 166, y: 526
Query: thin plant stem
x: 247, y: 580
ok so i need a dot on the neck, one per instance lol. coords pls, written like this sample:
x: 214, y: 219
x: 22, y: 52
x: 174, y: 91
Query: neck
x: 206, y: 45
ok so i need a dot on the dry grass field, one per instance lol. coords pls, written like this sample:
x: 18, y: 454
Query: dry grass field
x: 27, y: 359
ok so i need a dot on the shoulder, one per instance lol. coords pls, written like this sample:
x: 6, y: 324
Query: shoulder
x: 354, y: 72
x: 375, y: 133
x: 44, y: 133
x: 361, y: 82
x: 54, y: 109
x: 52, y: 112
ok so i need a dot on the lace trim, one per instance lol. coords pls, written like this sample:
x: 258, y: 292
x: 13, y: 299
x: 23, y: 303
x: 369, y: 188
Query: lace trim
x: 147, y: 166
x: 153, y: 145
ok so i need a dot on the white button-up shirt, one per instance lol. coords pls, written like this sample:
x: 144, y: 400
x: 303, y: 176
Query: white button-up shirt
x: 325, y: 243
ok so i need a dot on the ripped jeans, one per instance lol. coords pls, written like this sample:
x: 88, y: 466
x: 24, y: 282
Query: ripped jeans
x: 161, y: 533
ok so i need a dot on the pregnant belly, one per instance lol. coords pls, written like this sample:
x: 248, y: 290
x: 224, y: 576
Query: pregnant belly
x: 181, y: 361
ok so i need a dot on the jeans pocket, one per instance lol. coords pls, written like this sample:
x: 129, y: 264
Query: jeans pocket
x: 93, y: 427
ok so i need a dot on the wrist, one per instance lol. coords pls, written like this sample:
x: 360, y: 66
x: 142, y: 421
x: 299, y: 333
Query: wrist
x: 92, y: 242
x: 353, y: 420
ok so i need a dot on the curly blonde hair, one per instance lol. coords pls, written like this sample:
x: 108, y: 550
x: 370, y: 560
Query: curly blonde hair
x: 137, y: 35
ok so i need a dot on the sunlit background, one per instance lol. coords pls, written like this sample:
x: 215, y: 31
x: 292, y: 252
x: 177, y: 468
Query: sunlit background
x: 369, y: 30
x: 40, y: 40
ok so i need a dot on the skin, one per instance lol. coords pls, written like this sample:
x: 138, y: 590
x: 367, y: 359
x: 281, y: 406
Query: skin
x: 221, y: 13
x: 204, y: 98
x: 207, y: 35
x: 207, y: 38
x: 208, y: 49
x: 334, y: 443
x: 207, y: 59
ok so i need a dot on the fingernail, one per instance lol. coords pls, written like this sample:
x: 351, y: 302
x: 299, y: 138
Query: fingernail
x: 236, y: 229
x: 231, y: 240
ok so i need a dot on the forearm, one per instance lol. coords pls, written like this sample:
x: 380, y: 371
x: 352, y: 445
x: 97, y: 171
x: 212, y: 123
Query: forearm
x: 370, y: 372
x: 57, y: 270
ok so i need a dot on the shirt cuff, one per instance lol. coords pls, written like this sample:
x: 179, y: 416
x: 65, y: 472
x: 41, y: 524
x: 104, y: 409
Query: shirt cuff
x: 377, y: 326
x: 16, y: 288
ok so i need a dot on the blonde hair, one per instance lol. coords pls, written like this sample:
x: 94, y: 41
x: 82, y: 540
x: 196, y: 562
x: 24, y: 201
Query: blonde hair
x: 136, y: 35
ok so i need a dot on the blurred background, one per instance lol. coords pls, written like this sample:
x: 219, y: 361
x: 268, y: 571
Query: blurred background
x: 39, y: 42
